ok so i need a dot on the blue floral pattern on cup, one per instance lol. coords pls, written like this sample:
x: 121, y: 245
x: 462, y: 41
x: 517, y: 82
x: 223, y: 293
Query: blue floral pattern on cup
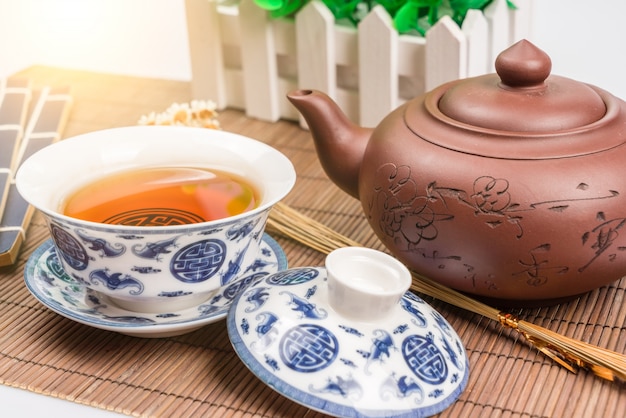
x: 199, y: 260
x: 65, y: 294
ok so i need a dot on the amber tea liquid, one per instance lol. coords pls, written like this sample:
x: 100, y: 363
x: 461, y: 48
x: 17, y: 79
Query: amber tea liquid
x: 162, y: 196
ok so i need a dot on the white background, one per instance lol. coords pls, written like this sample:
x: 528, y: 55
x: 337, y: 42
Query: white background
x: 585, y: 39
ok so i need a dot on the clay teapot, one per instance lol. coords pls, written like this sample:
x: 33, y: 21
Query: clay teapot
x: 508, y: 186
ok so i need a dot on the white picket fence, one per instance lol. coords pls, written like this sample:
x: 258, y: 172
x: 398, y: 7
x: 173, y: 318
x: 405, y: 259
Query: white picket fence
x: 241, y: 58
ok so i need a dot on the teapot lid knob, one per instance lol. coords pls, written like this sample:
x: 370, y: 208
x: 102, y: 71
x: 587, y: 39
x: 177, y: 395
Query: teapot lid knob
x: 523, y: 65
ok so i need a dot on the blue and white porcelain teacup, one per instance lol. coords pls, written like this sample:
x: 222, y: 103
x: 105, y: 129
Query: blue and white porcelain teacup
x: 154, y: 268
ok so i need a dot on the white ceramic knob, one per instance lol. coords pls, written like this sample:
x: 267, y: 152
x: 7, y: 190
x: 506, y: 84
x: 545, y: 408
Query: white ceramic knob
x: 365, y: 284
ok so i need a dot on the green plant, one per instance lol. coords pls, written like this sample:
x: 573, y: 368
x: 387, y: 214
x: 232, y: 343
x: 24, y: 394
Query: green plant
x: 409, y: 16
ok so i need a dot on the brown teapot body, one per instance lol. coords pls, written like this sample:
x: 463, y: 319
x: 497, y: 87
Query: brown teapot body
x: 522, y: 212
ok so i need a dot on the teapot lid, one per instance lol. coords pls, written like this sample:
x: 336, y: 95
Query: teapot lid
x: 520, y: 112
x: 523, y: 97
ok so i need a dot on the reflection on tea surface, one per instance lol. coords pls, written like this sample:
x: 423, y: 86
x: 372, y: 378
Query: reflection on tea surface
x: 162, y: 196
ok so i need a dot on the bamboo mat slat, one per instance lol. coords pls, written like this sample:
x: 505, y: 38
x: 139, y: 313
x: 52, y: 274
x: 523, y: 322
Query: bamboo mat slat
x: 198, y: 374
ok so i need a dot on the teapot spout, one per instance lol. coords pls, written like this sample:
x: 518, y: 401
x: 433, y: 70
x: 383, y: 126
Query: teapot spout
x: 340, y: 144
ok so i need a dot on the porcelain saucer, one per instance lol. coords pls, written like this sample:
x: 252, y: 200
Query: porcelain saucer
x: 410, y: 363
x: 47, y: 281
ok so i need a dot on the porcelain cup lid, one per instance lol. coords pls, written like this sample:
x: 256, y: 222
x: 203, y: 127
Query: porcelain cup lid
x: 349, y: 339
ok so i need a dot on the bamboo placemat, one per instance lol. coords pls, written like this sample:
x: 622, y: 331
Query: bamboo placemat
x: 198, y: 374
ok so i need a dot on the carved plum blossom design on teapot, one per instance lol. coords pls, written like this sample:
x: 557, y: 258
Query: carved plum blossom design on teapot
x: 410, y: 217
x: 491, y: 197
x: 413, y: 215
x: 404, y: 212
x: 407, y: 214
